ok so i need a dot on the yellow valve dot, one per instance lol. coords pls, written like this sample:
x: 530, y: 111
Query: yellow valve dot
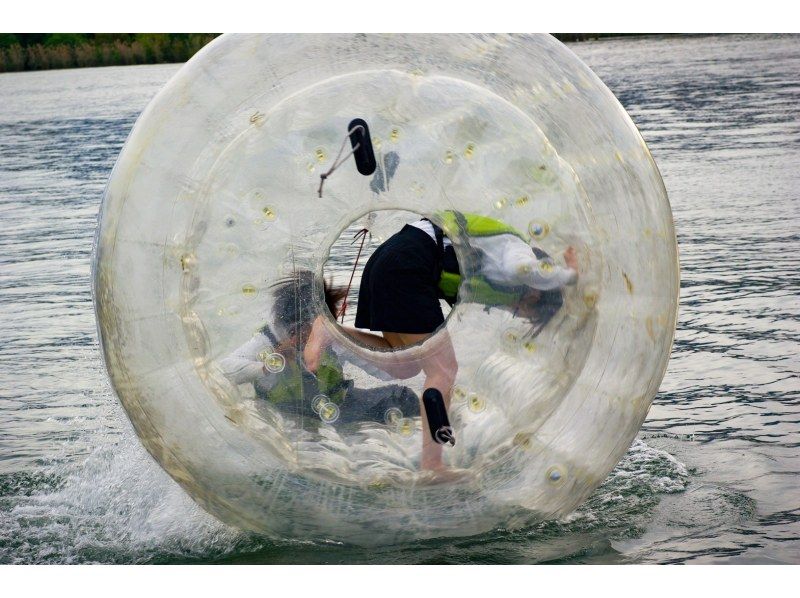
x: 329, y: 413
x: 274, y: 362
x: 394, y: 135
x: 523, y: 441
x: 405, y: 427
x: 476, y: 404
x: 320, y: 155
x: 546, y: 266
x: 318, y: 401
x: 590, y: 299
x: 188, y: 261
x: 249, y: 291
x: 269, y: 213
x: 469, y: 151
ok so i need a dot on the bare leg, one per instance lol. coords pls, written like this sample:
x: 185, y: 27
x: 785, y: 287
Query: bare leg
x: 440, y: 367
x: 374, y: 341
x: 438, y: 362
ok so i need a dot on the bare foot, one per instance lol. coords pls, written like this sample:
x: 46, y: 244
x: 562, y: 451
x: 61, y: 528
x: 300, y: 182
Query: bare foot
x: 571, y: 258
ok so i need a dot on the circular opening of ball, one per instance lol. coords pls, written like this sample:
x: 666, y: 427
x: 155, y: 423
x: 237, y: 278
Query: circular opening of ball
x: 370, y: 287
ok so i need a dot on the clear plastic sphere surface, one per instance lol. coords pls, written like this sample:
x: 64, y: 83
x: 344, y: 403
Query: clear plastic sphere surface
x: 214, y: 198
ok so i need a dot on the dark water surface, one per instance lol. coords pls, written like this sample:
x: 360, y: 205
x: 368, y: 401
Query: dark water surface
x: 714, y: 474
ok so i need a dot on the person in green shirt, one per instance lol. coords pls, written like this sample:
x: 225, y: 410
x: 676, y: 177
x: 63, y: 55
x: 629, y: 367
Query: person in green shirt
x: 272, y: 361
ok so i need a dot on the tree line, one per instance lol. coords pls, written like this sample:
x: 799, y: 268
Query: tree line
x: 40, y: 51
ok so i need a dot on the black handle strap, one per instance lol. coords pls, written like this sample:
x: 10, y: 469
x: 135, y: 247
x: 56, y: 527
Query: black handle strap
x: 436, y: 413
x: 362, y: 146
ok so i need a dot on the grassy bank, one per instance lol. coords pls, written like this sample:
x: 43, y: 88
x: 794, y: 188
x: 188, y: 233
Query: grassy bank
x: 41, y: 51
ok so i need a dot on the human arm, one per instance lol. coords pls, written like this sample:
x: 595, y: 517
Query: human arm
x: 243, y: 366
x: 320, y: 339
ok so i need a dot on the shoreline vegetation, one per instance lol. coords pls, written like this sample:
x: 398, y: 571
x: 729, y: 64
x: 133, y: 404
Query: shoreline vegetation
x: 45, y: 51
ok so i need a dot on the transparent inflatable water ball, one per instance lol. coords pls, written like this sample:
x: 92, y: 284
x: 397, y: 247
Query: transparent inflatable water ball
x: 215, y: 198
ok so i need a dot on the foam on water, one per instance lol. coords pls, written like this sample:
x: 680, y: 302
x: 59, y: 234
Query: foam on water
x: 112, y: 505
x: 118, y: 506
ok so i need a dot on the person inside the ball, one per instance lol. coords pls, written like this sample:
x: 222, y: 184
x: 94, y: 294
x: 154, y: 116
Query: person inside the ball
x: 272, y: 361
x: 407, y: 275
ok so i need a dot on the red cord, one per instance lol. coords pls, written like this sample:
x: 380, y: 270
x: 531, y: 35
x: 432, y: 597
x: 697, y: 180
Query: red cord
x: 363, y: 233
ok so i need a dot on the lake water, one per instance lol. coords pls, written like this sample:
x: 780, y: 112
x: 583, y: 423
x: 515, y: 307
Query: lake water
x: 714, y: 476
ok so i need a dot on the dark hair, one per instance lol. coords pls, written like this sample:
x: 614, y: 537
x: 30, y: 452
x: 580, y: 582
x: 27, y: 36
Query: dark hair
x: 548, y: 305
x: 292, y: 309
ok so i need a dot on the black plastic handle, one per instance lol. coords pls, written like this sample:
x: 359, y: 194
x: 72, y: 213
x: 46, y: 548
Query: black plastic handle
x: 438, y: 422
x: 364, y: 154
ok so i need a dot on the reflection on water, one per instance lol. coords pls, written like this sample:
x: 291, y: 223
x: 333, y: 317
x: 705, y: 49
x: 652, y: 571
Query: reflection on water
x: 713, y: 476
